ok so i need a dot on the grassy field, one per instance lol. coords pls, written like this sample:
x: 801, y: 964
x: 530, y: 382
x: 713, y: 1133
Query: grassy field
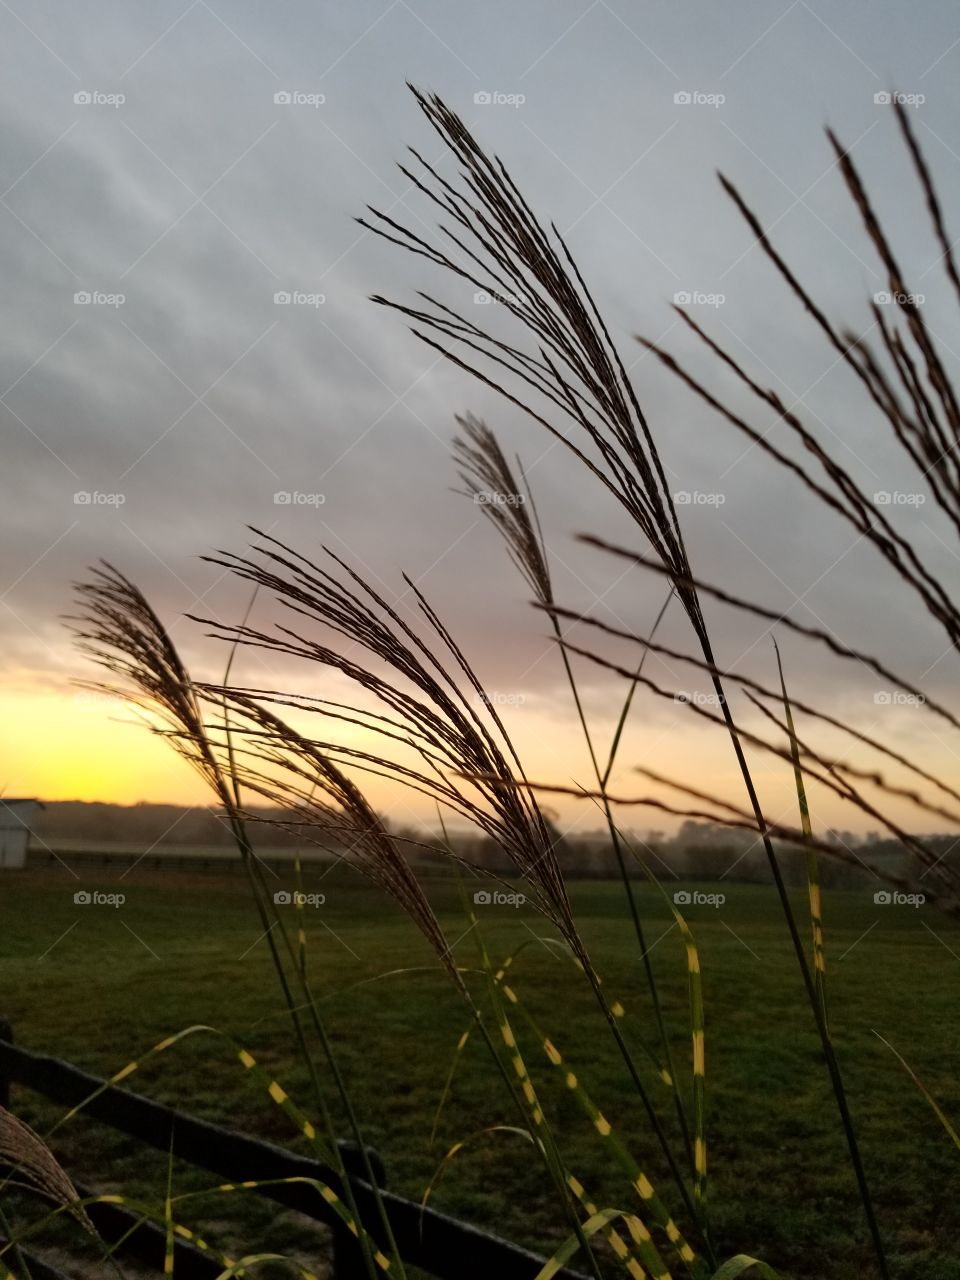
x: 98, y: 984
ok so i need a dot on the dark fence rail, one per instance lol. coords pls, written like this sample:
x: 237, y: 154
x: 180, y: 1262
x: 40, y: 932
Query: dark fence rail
x: 443, y: 1246
x: 146, y: 1241
x: 170, y: 858
x: 213, y: 861
x: 226, y: 861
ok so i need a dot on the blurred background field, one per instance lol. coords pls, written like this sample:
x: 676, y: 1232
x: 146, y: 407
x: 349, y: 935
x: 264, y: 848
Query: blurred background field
x: 99, y: 984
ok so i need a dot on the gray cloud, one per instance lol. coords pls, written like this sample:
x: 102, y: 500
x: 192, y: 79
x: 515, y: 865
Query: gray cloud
x: 199, y: 198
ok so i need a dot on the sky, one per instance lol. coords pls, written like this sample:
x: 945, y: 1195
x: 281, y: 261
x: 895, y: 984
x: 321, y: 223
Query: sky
x: 170, y: 169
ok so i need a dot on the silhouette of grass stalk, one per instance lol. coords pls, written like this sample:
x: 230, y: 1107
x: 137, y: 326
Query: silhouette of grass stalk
x: 118, y: 628
x: 498, y: 245
x: 455, y: 737
x: 490, y: 481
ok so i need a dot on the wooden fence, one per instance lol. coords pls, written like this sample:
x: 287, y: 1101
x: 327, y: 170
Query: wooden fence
x: 442, y: 1246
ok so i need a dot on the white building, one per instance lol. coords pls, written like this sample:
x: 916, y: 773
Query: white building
x: 16, y: 817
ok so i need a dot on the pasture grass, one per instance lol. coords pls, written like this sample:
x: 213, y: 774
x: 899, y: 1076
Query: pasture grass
x: 98, y: 985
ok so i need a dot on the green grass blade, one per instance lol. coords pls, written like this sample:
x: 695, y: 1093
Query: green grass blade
x: 737, y: 1266
x: 459, y: 1146
x: 640, y: 1236
x: 278, y: 1095
x: 448, y: 1083
x: 527, y: 1097
x: 698, y: 1058
x: 270, y: 1086
x: 697, y: 1034
x: 168, y: 1254
x: 639, y: 1182
x: 931, y: 1101
x: 669, y: 1071
x: 599, y: 1221
x: 814, y: 895
x: 18, y: 1257
x: 616, y: 1008
x: 625, y: 709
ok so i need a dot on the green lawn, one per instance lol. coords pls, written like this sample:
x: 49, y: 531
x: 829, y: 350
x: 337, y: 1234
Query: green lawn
x: 100, y: 984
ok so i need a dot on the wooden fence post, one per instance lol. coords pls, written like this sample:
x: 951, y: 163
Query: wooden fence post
x: 348, y: 1263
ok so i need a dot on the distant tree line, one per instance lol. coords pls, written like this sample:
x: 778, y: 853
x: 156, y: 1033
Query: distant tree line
x: 705, y: 851
x: 147, y: 824
x: 698, y: 851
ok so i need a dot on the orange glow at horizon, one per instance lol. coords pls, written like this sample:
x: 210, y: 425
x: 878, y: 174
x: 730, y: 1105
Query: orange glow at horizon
x: 73, y: 745
x: 64, y: 744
